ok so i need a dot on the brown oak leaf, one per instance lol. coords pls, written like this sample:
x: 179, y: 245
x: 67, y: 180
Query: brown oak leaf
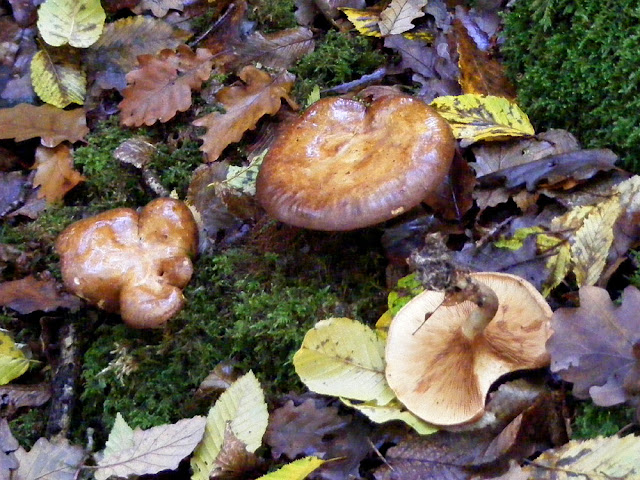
x: 162, y: 85
x: 52, y: 124
x: 260, y: 94
x: 54, y: 173
x: 597, y: 346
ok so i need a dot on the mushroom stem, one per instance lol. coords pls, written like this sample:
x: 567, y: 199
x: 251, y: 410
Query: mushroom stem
x: 487, y: 302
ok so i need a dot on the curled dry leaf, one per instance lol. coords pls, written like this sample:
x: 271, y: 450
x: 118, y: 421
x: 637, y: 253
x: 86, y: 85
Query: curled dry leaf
x: 54, y: 173
x: 260, y: 94
x: 162, y: 85
x: 52, y: 124
x: 595, y: 346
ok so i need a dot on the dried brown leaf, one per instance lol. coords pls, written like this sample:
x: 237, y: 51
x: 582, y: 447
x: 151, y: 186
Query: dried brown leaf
x: 29, y: 295
x: 279, y: 50
x: 595, y: 346
x: 18, y: 396
x: 12, y: 186
x: 398, y: 17
x: 57, y: 460
x: 54, y: 173
x: 234, y: 462
x: 52, y: 124
x: 8, y: 445
x: 159, y: 8
x: 162, y: 85
x: 245, y: 104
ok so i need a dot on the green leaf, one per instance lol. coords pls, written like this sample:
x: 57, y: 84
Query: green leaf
x: 57, y: 82
x: 13, y: 362
x: 76, y: 22
x: 243, y: 179
x: 344, y: 358
x: 517, y: 240
x: 297, y: 470
x: 242, y: 405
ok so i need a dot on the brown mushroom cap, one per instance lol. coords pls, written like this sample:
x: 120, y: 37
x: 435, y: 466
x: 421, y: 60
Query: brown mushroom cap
x: 343, y: 165
x: 129, y: 263
x: 441, y: 375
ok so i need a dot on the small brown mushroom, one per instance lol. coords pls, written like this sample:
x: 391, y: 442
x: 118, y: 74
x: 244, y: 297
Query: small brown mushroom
x: 132, y: 264
x: 343, y: 165
x: 441, y: 368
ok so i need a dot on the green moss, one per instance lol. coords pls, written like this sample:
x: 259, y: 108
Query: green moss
x: 174, y: 165
x: 29, y: 426
x: 591, y: 421
x: 242, y: 305
x: 577, y: 66
x: 338, y: 58
x: 273, y: 15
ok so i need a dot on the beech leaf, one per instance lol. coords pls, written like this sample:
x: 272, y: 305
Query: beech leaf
x: 393, y: 410
x: 344, y: 358
x: 52, y: 124
x: 13, y: 362
x: 595, y: 346
x: 139, y: 452
x: 56, y: 80
x: 76, y: 22
x: 298, y: 470
x: 399, y: 15
x: 245, y: 104
x: 483, y: 117
x: 162, y: 85
x: 242, y: 406
x: 54, y: 173
x: 366, y: 21
x: 49, y: 460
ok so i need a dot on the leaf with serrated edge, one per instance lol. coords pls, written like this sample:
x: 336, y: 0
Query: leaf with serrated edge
x: 13, y: 362
x: 365, y: 21
x: 344, y: 358
x: 394, y: 410
x: 58, y: 83
x: 483, y: 117
x: 243, y: 406
x: 149, y: 451
x: 120, y: 437
x: 55, y: 174
x: 55, y: 460
x: 399, y: 15
x: 76, y: 22
x: 297, y: 470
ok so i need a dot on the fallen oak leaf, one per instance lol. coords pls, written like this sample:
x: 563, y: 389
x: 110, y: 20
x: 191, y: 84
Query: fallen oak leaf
x: 52, y: 124
x: 595, y: 346
x: 55, y: 174
x: 162, y: 85
x: 260, y: 94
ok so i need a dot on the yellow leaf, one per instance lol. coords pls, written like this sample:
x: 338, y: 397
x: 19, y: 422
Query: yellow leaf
x: 57, y: 82
x: 297, y: 470
x: 344, y: 358
x: 13, y: 362
x: 394, y: 410
x: 517, y: 240
x: 76, y: 22
x: 242, y: 406
x: 483, y: 117
x: 399, y: 15
x: 558, y: 265
x: 593, y: 240
x: 365, y: 21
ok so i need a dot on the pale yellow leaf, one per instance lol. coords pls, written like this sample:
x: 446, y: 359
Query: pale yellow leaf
x: 297, y: 470
x: 393, y: 410
x: 242, y: 406
x: 365, y: 21
x: 159, y: 8
x: 344, y: 358
x: 57, y: 82
x: 399, y: 15
x: 558, y: 265
x: 13, y: 362
x: 592, y: 241
x: 76, y: 22
x: 483, y: 117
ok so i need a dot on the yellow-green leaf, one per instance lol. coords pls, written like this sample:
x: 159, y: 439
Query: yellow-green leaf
x: 13, y: 362
x: 517, y: 240
x: 76, y: 22
x: 57, y: 82
x: 365, y: 21
x: 344, y: 358
x: 297, y: 470
x: 559, y: 264
x: 394, y: 410
x: 242, y: 406
x: 399, y: 15
x: 483, y: 117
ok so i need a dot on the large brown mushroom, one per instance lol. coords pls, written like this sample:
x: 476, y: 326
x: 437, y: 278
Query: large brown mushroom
x: 441, y: 368
x: 132, y: 264
x: 343, y: 165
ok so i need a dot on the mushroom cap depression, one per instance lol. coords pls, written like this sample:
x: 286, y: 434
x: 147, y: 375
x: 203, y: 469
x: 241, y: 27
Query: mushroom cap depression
x: 132, y: 264
x: 441, y: 375
x: 342, y: 165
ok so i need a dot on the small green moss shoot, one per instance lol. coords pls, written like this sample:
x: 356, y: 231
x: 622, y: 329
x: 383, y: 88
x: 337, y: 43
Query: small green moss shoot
x: 272, y: 15
x: 592, y: 421
x: 577, y: 67
x: 338, y: 58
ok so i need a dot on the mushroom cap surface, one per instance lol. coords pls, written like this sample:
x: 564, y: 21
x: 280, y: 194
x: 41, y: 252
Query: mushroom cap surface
x: 129, y: 263
x: 342, y: 165
x: 442, y: 376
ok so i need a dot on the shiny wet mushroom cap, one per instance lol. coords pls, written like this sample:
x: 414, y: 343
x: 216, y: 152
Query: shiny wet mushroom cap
x: 343, y: 165
x: 441, y: 369
x: 132, y: 264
